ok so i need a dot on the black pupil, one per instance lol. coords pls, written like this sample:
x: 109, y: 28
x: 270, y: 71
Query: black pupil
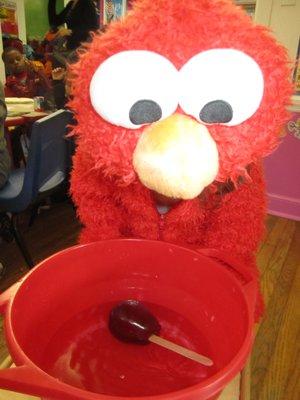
x: 217, y: 111
x: 145, y: 112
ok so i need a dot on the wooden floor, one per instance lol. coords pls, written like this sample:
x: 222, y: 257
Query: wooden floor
x: 275, y: 361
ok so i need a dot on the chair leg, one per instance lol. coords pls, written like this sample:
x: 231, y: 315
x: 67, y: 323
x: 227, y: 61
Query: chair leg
x: 5, y: 227
x: 20, y: 241
x: 33, y: 214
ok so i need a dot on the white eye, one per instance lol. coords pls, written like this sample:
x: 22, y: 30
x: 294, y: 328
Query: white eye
x: 133, y: 88
x: 221, y: 86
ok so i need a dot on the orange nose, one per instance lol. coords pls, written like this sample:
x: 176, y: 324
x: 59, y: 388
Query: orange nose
x: 176, y: 157
x: 172, y: 130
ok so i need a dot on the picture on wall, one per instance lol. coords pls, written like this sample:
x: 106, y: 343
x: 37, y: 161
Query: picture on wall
x: 129, y: 4
x: 8, y: 17
x: 112, y: 10
x: 296, y: 75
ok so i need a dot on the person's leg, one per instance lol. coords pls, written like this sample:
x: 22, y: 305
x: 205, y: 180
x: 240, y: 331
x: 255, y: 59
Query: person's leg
x: 3, y: 179
x: 17, y: 151
x: 5, y: 162
x: 2, y: 270
x: 16, y: 144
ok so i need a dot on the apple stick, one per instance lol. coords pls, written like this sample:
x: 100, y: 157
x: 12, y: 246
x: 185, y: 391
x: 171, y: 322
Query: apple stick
x: 192, y: 355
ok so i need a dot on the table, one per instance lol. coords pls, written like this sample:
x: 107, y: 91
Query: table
x: 23, y: 119
x: 14, y: 121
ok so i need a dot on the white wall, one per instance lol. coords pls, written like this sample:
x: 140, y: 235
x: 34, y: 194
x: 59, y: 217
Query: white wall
x: 21, y: 20
x: 283, y: 17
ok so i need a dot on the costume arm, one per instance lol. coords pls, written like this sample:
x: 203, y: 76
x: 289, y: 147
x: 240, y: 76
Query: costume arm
x: 100, y: 217
x: 237, y: 225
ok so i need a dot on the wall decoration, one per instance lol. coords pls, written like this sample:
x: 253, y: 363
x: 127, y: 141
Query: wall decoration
x: 296, y: 75
x: 8, y: 17
x: 112, y: 10
x: 293, y: 125
x: 129, y: 4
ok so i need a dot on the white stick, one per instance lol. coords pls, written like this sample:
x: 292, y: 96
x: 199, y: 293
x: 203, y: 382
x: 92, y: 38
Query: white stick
x: 192, y: 355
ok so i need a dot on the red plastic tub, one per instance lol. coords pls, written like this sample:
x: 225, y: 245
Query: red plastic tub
x: 56, y: 323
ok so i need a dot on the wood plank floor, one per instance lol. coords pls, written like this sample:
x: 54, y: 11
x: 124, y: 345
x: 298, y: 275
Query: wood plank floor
x: 275, y: 361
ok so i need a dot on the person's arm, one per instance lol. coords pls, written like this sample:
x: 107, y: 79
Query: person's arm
x: 84, y: 20
x: 9, y: 92
x: 59, y: 94
x: 84, y: 17
x: 59, y: 91
x: 57, y: 19
x: 90, y: 16
x: 13, y: 88
x: 39, y: 75
x: 4, y: 156
x: 3, y: 109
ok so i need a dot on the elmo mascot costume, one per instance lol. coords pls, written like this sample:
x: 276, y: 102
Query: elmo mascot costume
x: 176, y: 105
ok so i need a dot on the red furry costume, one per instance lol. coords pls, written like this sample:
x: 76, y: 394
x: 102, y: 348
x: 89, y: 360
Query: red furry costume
x: 229, y: 214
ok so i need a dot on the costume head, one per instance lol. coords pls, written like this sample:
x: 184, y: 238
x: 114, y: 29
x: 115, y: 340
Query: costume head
x: 180, y: 95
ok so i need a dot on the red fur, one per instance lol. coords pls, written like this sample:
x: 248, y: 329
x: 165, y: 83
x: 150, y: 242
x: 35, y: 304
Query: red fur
x: 111, y: 201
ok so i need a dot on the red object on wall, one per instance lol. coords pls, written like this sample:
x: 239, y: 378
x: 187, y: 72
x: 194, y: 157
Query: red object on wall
x: 8, y: 18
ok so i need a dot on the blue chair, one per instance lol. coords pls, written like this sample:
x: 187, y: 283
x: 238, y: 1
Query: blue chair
x: 48, y: 166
